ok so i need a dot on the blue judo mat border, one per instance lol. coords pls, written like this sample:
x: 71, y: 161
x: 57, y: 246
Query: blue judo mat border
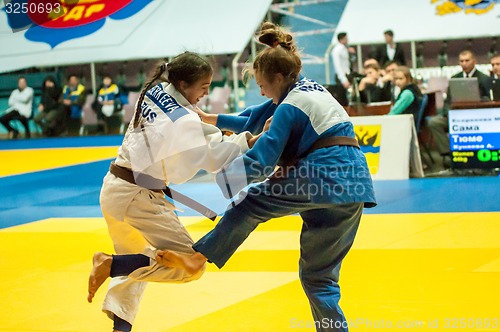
x: 73, y: 191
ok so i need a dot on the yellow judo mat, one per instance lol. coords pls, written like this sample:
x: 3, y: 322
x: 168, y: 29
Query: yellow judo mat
x: 425, y: 272
x: 31, y: 160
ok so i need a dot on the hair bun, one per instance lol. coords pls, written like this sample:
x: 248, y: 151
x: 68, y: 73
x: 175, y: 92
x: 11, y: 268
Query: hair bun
x: 272, y: 35
x: 268, y: 37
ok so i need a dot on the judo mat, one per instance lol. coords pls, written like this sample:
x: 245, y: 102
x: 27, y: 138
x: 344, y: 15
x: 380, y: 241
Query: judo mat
x: 427, y: 258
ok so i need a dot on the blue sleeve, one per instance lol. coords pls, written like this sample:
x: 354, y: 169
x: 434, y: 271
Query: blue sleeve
x: 251, y: 119
x: 234, y: 123
x: 259, y: 162
x: 402, y: 103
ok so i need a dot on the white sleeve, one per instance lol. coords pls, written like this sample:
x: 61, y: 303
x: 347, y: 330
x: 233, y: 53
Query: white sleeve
x: 217, y: 152
x: 183, y: 147
x: 12, y: 98
x: 337, y: 64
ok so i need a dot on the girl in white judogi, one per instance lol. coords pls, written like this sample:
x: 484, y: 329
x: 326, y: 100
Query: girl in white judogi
x: 165, y: 143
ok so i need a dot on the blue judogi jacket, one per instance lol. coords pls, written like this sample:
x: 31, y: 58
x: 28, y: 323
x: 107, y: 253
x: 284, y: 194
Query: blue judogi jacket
x: 304, y: 114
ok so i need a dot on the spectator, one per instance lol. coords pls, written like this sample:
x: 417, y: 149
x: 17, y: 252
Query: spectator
x: 410, y: 98
x: 20, y: 108
x: 438, y: 124
x: 73, y: 100
x: 390, y: 51
x: 108, y: 104
x: 50, y: 115
x: 372, y: 88
x: 369, y: 61
x: 342, y: 65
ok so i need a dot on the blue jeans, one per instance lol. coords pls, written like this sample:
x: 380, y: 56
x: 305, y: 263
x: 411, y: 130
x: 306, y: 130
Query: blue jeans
x: 327, y: 235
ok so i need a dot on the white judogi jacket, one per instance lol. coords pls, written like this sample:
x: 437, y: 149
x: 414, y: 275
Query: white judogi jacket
x: 172, y: 144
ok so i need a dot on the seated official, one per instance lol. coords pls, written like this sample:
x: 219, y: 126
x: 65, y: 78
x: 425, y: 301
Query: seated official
x: 438, y: 124
x: 372, y: 88
x: 410, y: 98
x: 468, y: 62
x: 388, y: 76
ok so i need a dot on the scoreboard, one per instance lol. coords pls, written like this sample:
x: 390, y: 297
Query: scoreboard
x: 475, y: 138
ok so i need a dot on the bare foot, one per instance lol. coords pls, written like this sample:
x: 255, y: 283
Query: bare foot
x: 191, y: 263
x: 100, y: 272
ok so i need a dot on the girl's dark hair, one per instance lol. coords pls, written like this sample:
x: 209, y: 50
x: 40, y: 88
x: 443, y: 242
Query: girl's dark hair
x: 281, y: 57
x: 187, y: 67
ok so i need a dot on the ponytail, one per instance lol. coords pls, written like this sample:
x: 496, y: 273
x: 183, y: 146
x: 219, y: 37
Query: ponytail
x: 160, y: 69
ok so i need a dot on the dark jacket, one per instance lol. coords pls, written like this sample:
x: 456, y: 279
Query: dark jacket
x: 414, y: 107
x: 383, y: 58
x: 50, y: 96
x: 373, y: 93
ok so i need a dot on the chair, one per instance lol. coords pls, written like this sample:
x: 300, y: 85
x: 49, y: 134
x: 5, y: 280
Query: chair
x: 418, y: 123
x: 129, y: 109
x: 89, y: 116
x: 421, y: 111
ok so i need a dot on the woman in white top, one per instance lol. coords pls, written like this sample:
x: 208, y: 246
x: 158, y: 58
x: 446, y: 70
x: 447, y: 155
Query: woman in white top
x: 165, y: 143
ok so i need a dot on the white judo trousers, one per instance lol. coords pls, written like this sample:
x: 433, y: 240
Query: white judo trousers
x: 149, y: 223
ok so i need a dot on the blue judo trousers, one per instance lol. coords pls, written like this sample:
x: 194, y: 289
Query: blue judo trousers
x: 327, y: 234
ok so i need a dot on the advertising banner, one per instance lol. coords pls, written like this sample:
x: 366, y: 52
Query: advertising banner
x: 390, y: 146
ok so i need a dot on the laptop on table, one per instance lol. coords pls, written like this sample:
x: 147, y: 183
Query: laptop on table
x: 464, y: 89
